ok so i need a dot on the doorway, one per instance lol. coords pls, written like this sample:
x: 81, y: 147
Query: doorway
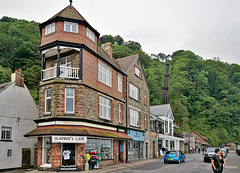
x: 71, y: 148
x: 26, y: 157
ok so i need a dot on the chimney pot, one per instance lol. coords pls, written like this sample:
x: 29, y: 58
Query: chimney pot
x: 108, y: 48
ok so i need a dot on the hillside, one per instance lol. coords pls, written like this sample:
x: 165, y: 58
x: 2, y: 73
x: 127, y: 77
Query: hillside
x: 204, y: 94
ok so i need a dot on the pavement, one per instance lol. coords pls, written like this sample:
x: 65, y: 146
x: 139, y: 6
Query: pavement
x: 113, y: 168
x: 232, y: 163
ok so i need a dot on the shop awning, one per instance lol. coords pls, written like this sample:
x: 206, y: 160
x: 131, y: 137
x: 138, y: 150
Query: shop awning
x: 76, y: 130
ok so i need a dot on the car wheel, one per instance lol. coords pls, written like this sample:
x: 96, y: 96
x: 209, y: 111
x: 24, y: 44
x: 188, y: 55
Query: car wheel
x: 183, y: 159
x: 165, y: 161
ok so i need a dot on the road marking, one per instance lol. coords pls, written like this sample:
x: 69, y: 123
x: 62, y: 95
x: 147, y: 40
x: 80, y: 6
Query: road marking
x: 232, y: 167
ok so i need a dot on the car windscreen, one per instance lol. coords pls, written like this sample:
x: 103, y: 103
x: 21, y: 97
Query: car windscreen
x: 172, y: 152
x: 211, y: 150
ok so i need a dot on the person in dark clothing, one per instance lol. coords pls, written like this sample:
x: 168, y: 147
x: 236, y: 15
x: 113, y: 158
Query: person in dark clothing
x: 222, y: 161
x: 203, y: 151
x: 163, y: 150
x: 216, y: 165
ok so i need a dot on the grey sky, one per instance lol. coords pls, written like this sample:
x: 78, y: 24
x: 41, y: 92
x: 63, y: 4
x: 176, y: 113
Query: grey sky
x: 209, y: 28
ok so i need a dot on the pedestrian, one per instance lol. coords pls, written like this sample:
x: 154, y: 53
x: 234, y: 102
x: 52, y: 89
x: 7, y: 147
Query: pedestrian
x: 199, y: 150
x: 66, y: 156
x: 215, y: 160
x: 203, y: 151
x: 222, y: 161
x: 163, y: 150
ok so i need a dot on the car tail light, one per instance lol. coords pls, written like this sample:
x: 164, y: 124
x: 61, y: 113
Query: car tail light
x: 176, y: 156
x: 164, y: 155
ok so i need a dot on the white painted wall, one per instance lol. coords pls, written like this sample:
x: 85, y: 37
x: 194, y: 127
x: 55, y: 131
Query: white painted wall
x: 17, y: 110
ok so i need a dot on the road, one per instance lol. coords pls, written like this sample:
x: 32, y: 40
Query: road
x: 194, y: 164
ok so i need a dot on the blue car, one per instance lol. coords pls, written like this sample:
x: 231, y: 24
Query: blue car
x: 174, y: 156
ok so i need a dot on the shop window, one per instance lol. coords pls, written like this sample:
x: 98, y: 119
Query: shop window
x: 97, y: 146
x: 104, y: 108
x: 134, y: 92
x: 106, y: 149
x: 47, y: 150
x: 69, y: 100
x: 135, y: 150
x: 48, y: 101
x: 6, y: 133
x: 9, y: 153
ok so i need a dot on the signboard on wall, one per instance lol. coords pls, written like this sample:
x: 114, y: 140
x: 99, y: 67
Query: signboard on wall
x: 136, y: 135
x: 69, y: 139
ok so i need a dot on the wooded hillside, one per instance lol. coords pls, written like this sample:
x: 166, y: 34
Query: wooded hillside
x: 204, y: 94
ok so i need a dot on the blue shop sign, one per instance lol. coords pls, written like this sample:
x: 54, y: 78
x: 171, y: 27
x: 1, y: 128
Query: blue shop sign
x: 136, y: 135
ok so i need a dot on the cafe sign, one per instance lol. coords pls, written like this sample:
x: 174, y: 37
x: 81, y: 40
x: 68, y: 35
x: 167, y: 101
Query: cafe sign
x: 69, y: 139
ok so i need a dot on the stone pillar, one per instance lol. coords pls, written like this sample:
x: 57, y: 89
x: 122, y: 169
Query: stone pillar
x: 39, y: 152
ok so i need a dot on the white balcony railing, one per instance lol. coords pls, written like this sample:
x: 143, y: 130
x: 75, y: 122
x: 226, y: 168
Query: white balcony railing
x: 65, y: 72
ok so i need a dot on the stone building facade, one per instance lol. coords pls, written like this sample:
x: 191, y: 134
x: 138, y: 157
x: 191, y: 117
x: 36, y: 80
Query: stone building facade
x: 82, y: 96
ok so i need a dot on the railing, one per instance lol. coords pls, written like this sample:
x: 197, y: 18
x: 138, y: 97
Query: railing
x: 65, y: 72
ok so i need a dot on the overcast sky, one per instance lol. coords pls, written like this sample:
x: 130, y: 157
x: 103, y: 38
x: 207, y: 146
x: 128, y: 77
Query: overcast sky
x: 209, y: 28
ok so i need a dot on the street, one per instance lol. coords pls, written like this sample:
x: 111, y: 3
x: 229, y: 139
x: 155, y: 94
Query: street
x: 193, y: 164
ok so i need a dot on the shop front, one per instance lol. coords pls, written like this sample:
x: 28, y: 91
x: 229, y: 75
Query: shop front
x: 136, y: 145
x: 77, y: 142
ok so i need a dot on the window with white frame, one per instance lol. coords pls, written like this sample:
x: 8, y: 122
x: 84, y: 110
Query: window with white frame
x: 50, y: 29
x: 47, y: 150
x: 170, y: 127
x: 9, y: 153
x: 104, y: 74
x: 120, y: 113
x: 134, y: 92
x: 145, y: 98
x: 71, y: 27
x: 134, y: 117
x: 137, y: 71
x: 6, y: 133
x: 119, y: 82
x: 104, y: 108
x: 90, y: 35
x: 48, y: 100
x: 145, y: 120
x: 69, y: 100
x: 166, y: 126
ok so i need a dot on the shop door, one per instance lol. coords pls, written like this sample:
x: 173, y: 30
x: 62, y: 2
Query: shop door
x: 71, y: 148
x: 26, y: 157
x: 154, y: 149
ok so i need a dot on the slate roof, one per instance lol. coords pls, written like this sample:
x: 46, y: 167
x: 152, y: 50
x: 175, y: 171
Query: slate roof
x: 159, y: 110
x: 5, y: 86
x: 76, y: 130
x: 69, y: 12
x: 127, y: 62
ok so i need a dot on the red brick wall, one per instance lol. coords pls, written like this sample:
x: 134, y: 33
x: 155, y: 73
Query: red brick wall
x: 39, y: 152
x: 61, y: 35
x: 80, y: 152
x: 90, y: 76
x: 56, y: 155
x: 115, y: 150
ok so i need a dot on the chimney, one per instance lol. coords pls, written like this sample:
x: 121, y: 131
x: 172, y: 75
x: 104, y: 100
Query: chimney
x: 18, y: 78
x: 108, y: 48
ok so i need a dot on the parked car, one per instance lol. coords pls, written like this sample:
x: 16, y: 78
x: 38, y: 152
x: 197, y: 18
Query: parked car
x: 209, y: 153
x: 224, y: 151
x: 174, y: 156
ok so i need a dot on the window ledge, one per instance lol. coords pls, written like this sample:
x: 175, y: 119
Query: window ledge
x: 70, y: 114
x: 138, y: 77
x: 47, y: 114
x: 5, y: 140
x: 105, y: 119
x: 135, y: 126
x: 134, y: 99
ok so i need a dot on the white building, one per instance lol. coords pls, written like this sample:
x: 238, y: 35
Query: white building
x: 17, y: 112
x: 162, y: 119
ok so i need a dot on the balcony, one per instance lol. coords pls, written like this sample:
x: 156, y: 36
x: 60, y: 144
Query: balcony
x: 65, y: 72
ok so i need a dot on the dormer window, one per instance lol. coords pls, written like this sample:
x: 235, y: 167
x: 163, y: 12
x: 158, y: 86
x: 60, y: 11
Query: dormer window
x: 90, y: 35
x: 50, y: 29
x: 71, y: 27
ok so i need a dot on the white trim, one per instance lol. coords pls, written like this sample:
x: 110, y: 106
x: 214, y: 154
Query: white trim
x: 72, y: 97
x: 71, y: 27
x: 51, y: 27
x: 120, y: 79
x: 75, y: 123
x: 46, y: 100
x: 104, y: 73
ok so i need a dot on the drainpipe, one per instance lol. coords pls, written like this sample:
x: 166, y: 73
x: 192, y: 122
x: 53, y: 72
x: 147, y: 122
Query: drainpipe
x: 58, y: 61
x: 126, y: 118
